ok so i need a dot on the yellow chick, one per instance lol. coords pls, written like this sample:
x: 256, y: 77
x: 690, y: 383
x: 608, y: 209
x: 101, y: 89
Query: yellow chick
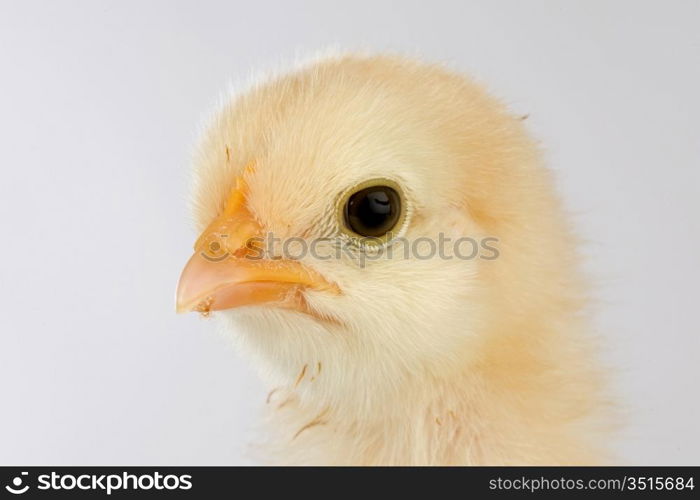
x: 383, y: 241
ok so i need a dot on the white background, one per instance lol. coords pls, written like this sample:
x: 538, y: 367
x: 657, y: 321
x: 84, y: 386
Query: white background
x: 99, y: 104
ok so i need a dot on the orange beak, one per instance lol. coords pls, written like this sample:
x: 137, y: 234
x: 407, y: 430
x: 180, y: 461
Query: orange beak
x: 228, y: 270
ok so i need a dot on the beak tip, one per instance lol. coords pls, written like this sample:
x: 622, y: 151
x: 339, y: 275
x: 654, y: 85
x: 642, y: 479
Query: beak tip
x: 181, y: 305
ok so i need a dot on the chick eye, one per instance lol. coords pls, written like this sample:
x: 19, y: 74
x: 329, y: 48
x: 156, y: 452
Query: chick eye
x: 373, y: 211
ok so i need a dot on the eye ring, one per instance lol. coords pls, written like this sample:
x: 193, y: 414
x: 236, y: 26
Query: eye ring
x: 373, y: 211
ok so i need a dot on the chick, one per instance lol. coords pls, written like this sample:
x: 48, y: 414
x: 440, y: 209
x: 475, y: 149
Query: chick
x: 384, y: 346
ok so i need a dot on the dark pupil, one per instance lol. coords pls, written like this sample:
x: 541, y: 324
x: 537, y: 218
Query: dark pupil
x: 373, y: 211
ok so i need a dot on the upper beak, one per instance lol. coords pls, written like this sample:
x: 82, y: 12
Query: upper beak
x: 226, y: 271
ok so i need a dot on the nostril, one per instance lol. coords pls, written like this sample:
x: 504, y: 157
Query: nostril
x: 242, y: 252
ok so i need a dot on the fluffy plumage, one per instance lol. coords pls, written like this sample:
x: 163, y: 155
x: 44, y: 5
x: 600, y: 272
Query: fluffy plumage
x: 425, y: 361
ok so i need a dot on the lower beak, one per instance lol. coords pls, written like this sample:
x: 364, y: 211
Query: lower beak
x: 211, y: 285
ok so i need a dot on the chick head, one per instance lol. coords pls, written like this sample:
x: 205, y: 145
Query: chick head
x: 365, y: 220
